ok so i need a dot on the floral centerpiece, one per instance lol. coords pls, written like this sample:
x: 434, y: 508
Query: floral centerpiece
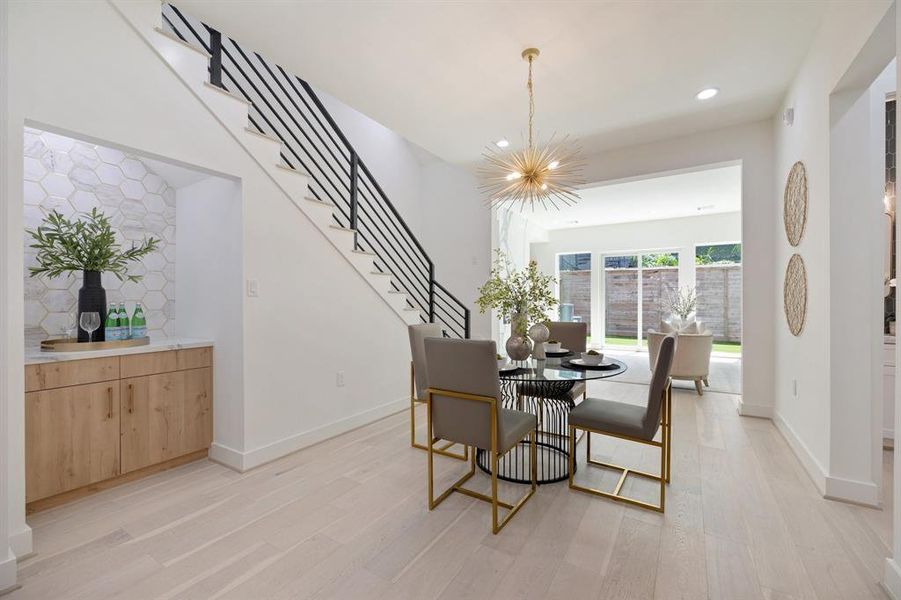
x: 520, y: 296
x: 88, y: 245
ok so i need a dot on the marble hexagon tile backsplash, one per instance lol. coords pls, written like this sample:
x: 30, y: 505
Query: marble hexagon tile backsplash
x: 73, y: 177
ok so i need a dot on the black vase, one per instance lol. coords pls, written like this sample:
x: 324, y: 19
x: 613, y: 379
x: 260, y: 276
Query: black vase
x: 91, y: 298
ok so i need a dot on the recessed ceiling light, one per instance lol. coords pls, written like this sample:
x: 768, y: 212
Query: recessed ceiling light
x: 706, y: 207
x: 707, y: 93
x: 502, y: 143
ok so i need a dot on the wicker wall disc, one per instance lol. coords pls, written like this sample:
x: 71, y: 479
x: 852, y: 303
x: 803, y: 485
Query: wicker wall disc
x: 794, y: 207
x: 794, y: 294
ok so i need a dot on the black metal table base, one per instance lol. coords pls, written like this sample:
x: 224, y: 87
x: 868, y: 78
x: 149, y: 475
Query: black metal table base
x: 550, y: 401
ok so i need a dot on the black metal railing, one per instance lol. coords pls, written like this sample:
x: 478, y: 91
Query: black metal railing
x: 286, y: 107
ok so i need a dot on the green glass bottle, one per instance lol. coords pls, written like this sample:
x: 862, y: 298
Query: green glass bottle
x: 138, y: 323
x: 111, y: 330
x: 123, y: 322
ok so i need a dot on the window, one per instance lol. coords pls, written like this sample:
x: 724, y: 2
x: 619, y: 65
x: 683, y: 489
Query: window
x: 575, y: 287
x: 718, y: 287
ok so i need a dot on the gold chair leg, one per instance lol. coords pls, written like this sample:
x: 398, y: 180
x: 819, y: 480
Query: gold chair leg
x: 662, y: 478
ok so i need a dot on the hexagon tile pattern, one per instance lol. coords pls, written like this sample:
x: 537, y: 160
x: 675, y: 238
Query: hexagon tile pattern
x: 73, y: 177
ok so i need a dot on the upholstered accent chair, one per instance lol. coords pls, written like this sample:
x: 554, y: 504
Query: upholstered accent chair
x: 419, y: 383
x: 692, y: 359
x: 463, y: 401
x: 630, y: 422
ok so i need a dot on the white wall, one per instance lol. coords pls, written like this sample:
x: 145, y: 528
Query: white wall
x: 394, y: 162
x: 457, y: 235
x: 681, y: 235
x: 312, y: 305
x: 7, y: 368
x: 805, y: 418
x: 209, y: 275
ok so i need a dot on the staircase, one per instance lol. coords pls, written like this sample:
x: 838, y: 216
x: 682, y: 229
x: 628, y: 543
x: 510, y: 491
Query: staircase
x: 283, y: 125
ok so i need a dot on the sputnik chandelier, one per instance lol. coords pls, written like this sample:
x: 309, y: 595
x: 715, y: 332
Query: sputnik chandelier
x: 536, y: 176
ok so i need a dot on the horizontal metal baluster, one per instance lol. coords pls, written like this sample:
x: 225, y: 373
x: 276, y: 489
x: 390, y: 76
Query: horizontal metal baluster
x: 377, y: 215
x: 397, y: 227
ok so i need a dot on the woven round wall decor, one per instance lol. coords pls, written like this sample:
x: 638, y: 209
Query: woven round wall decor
x: 794, y: 293
x: 794, y: 206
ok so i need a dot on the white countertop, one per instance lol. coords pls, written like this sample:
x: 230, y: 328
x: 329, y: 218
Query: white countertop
x: 34, y: 355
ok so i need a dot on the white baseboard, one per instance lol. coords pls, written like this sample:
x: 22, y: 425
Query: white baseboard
x: 229, y: 457
x: 8, y: 572
x: 834, y: 488
x: 814, y: 469
x: 754, y: 410
x: 244, y: 461
x: 849, y: 490
x: 891, y: 580
x: 20, y: 542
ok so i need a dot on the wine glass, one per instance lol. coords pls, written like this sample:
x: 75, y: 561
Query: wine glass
x: 90, y: 322
x: 71, y: 327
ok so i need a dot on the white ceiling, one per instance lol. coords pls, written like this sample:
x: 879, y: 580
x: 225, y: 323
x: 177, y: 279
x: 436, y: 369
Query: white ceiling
x: 448, y: 75
x: 712, y: 191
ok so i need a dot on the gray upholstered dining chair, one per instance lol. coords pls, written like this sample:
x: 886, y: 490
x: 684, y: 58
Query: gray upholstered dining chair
x: 572, y: 336
x: 630, y: 422
x: 419, y: 383
x: 464, y: 406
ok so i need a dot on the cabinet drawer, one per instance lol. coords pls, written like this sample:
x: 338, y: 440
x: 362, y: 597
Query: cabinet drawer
x: 195, y: 358
x: 136, y: 365
x: 47, y: 376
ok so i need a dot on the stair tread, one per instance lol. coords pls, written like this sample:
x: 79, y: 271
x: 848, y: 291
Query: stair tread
x: 380, y: 273
x: 340, y: 228
x: 265, y: 136
x: 210, y: 86
x: 175, y: 38
x: 292, y: 170
x: 318, y: 201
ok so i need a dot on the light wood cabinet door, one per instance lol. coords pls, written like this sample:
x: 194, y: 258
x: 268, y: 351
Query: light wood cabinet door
x: 198, y: 406
x: 71, y: 438
x: 165, y: 416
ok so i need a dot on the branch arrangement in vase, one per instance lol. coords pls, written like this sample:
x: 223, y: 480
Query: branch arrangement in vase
x: 683, y: 302
x: 524, y: 293
x: 87, y: 244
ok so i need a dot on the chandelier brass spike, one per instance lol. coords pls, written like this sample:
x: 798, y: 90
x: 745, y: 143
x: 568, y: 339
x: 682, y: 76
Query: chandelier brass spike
x: 548, y: 174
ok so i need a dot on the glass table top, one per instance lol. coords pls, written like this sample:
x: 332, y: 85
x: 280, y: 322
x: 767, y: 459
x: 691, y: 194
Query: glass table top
x: 553, y: 369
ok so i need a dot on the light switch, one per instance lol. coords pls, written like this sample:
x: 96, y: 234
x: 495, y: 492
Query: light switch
x: 253, y: 288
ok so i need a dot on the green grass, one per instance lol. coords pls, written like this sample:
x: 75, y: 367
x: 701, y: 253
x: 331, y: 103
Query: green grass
x: 620, y: 341
x: 630, y: 342
x: 728, y: 347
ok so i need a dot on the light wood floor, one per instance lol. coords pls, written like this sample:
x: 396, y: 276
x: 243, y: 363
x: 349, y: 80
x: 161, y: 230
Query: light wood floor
x: 348, y: 519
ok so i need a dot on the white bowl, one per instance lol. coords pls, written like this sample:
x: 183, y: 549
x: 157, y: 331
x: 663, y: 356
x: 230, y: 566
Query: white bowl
x: 592, y: 359
x: 548, y: 347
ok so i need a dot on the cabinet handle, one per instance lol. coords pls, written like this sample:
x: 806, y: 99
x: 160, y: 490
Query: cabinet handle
x: 131, y: 398
x: 109, y: 406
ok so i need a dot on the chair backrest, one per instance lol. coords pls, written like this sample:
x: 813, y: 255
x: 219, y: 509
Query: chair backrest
x: 418, y: 334
x: 692, y: 354
x: 466, y: 367
x: 659, y: 381
x: 573, y: 336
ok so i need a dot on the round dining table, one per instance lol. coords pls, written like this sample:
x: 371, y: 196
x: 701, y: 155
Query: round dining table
x: 542, y: 387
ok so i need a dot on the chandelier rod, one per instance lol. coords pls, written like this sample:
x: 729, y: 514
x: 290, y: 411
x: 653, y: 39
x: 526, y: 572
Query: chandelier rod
x: 531, y: 100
